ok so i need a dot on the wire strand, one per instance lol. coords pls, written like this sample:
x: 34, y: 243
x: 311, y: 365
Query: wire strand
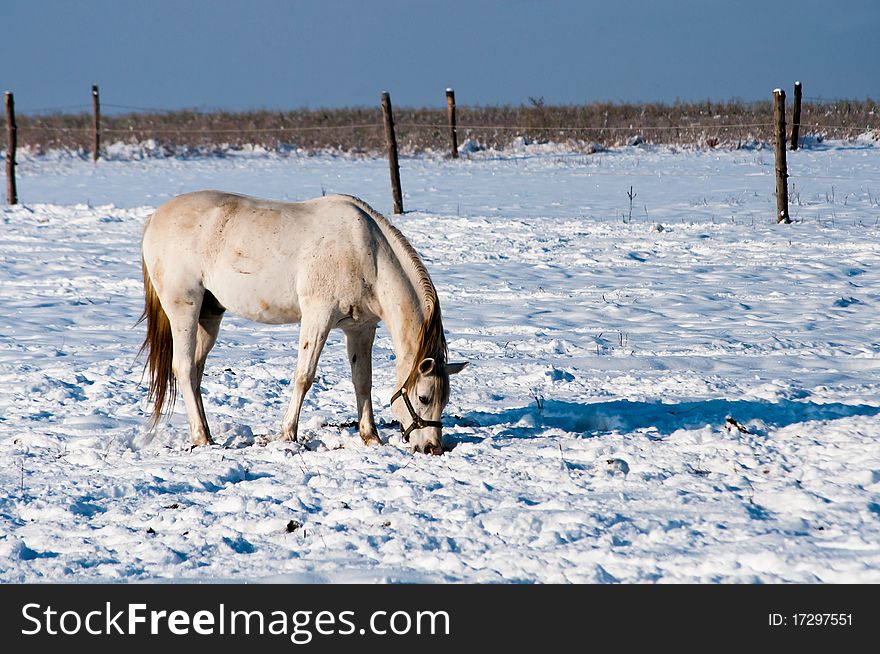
x: 519, y: 128
x: 586, y: 128
x: 43, y: 110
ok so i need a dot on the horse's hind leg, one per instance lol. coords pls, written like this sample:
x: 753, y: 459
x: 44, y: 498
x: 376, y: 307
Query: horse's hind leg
x: 184, y: 318
x: 312, y: 336
x: 205, y: 338
x: 210, y: 316
x: 360, y: 356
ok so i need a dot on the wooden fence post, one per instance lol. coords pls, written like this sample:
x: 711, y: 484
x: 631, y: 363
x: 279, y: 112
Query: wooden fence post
x: 781, y: 167
x: 96, y: 111
x: 11, y: 144
x: 796, y: 116
x: 391, y: 141
x: 450, y: 103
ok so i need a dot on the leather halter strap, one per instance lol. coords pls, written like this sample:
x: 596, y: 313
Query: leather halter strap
x: 417, y: 421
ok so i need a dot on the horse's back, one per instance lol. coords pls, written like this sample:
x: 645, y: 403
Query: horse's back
x: 217, y: 218
x: 260, y: 257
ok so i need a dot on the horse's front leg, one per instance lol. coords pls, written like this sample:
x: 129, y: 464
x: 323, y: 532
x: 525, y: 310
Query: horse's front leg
x: 360, y: 356
x: 312, y: 336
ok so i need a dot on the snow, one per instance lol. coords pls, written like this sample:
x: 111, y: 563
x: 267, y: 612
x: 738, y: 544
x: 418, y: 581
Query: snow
x: 609, y: 344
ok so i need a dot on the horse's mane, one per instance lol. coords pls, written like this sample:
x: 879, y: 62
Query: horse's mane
x: 431, y: 340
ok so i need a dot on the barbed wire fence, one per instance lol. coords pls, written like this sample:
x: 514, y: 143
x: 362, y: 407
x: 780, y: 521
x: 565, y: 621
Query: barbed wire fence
x: 586, y: 128
x: 359, y: 130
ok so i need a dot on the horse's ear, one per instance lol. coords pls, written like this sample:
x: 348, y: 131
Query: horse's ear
x: 454, y: 368
x: 426, y: 366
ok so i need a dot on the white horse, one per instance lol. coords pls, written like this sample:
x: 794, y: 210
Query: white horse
x: 328, y: 262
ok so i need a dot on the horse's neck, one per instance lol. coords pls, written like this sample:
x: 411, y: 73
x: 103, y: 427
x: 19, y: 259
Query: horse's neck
x: 405, y: 309
x: 405, y: 292
x: 404, y: 315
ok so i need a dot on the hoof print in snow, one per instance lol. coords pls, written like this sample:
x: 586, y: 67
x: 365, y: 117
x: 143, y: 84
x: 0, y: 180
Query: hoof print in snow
x: 616, y: 466
x: 239, y: 545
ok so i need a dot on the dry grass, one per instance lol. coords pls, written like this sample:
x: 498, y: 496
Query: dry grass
x: 359, y: 130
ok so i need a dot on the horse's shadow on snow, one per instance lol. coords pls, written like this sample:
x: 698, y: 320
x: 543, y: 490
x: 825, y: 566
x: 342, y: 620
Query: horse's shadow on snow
x: 654, y: 417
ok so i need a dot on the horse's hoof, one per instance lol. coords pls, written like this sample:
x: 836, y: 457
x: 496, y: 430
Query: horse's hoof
x: 371, y: 439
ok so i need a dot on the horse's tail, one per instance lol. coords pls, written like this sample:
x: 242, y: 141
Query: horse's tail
x: 163, y: 385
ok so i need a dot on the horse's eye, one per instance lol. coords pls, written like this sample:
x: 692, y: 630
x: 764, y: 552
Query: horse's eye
x: 423, y: 399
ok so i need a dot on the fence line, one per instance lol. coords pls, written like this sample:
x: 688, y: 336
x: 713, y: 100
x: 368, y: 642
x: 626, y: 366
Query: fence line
x: 436, y: 126
x: 716, y: 130
x: 161, y: 110
x: 196, y: 131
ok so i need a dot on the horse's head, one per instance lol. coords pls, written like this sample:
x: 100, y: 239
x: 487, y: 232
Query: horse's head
x: 419, y: 404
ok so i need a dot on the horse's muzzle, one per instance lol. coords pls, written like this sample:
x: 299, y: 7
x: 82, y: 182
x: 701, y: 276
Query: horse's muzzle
x: 418, y: 423
x: 430, y: 448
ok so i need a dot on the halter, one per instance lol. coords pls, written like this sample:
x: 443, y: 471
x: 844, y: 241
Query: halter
x: 417, y: 421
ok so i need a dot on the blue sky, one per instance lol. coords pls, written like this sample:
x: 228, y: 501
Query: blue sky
x: 278, y: 54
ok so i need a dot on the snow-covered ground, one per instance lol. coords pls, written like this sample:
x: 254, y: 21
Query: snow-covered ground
x: 589, y: 438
